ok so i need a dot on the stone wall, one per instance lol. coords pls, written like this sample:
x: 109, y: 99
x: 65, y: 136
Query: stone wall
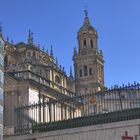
x: 110, y: 131
x: 137, y: 137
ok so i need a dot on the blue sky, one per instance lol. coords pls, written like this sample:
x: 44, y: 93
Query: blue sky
x: 56, y: 22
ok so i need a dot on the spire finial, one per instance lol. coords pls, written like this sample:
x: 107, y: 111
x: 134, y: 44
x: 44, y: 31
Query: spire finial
x: 43, y: 48
x: 86, y: 12
x: 75, y: 52
x: 63, y: 69
x: 71, y: 71
x: 56, y: 62
x: 38, y: 46
x: 71, y: 75
x: 30, y: 37
x: 12, y: 41
x: 51, y: 52
x: 7, y: 39
x: 0, y: 28
x: 86, y: 20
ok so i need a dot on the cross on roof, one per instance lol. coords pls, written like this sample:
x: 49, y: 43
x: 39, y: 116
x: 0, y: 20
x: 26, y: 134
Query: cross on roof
x: 86, y: 12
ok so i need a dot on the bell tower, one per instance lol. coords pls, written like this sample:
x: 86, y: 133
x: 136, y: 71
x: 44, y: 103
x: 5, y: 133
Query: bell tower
x: 88, y: 60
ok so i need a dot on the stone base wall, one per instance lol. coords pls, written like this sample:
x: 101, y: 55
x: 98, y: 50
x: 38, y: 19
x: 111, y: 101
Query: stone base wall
x: 137, y: 137
x: 110, y: 131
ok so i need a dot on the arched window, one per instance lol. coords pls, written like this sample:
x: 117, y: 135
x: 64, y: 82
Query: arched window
x: 6, y: 60
x: 80, y: 72
x: 90, y: 71
x: 91, y: 43
x: 57, y: 80
x: 85, y: 43
x: 85, y: 71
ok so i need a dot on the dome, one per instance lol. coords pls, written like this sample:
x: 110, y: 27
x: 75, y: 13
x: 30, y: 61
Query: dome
x: 86, y: 27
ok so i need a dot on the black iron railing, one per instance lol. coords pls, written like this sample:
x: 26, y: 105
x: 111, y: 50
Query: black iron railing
x: 124, y: 115
x: 115, y: 104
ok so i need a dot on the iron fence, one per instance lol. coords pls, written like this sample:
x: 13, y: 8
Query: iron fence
x: 75, y: 107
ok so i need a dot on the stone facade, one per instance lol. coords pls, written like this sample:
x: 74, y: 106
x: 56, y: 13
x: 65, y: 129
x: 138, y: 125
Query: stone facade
x: 33, y: 75
x: 1, y: 81
x: 110, y: 131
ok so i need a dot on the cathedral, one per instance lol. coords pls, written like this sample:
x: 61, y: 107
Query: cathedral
x: 33, y: 75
